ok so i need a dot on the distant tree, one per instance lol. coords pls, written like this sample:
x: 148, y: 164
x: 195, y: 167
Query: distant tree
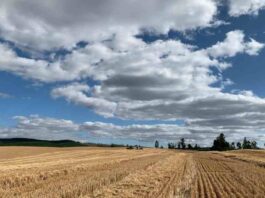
x: 239, y: 145
x: 190, y: 147
x: 161, y: 147
x: 179, y: 145
x: 246, y: 144
x: 233, y: 146
x: 171, y: 145
x: 182, y: 143
x: 196, y: 147
x: 156, y: 144
x: 254, y: 145
x: 129, y: 147
x: 220, y: 144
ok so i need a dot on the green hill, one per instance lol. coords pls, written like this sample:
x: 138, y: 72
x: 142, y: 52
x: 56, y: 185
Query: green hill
x: 49, y: 143
x: 35, y: 142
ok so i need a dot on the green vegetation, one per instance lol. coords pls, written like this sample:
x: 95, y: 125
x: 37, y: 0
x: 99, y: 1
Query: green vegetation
x: 219, y: 144
x: 156, y: 144
x: 49, y: 143
x: 34, y: 142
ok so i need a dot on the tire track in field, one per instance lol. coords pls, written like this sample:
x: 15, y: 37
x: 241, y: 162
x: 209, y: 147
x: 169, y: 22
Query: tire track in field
x: 74, y: 177
x: 222, y: 177
x: 208, y: 188
x: 162, y: 180
x: 178, y: 186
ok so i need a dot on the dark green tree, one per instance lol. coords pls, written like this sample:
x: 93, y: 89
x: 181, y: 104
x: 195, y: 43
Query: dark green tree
x: 156, y: 144
x: 246, y: 144
x: 182, y: 143
x: 233, y: 145
x: 220, y: 144
x: 254, y: 145
x: 190, y: 147
x: 239, y: 145
x: 170, y: 146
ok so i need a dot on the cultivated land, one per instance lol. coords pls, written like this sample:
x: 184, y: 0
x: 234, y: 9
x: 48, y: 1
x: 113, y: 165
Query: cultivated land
x: 117, y: 172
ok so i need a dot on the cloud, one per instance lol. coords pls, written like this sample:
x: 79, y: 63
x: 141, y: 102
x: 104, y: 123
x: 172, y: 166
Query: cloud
x: 253, y: 47
x: 35, y: 126
x: 163, y: 80
x: 169, y: 80
x: 62, y: 23
x: 233, y: 44
x: 243, y: 7
x: 38, y: 127
x: 155, y: 81
x: 135, y: 132
x: 132, y: 79
x: 77, y: 93
x: 127, y: 54
x: 4, y: 95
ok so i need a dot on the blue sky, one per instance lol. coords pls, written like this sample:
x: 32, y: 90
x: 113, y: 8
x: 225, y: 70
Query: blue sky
x: 135, y: 72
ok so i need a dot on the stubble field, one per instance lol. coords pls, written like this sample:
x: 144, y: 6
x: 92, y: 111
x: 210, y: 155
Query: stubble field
x: 117, y: 172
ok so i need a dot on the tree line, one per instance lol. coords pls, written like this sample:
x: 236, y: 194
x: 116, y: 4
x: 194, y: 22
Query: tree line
x: 219, y: 144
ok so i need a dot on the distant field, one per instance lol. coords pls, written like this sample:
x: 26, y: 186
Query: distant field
x: 117, y: 172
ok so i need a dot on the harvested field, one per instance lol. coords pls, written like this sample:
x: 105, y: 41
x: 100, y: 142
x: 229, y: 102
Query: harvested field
x: 252, y: 156
x: 117, y: 172
x: 219, y: 176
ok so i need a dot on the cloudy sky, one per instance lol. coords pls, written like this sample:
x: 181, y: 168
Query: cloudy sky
x: 132, y: 71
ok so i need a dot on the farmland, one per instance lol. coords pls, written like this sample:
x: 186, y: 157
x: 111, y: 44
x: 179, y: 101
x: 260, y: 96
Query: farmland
x: 117, y: 172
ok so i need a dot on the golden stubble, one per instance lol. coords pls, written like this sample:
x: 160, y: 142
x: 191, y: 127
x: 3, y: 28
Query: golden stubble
x: 118, y: 172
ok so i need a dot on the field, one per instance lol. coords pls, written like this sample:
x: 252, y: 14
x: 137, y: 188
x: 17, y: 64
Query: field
x: 117, y: 172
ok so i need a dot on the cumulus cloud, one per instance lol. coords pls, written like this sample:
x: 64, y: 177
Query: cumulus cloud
x: 26, y: 67
x: 63, y: 23
x: 156, y: 81
x: 233, y: 44
x: 169, y: 80
x: 132, y: 79
x: 243, y: 7
x: 77, y: 93
x: 127, y: 54
x: 163, y: 80
x: 35, y: 126
x: 38, y: 127
x: 135, y: 132
x: 253, y: 47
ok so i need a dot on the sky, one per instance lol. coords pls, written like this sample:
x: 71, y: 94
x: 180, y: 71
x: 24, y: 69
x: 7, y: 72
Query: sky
x: 132, y: 72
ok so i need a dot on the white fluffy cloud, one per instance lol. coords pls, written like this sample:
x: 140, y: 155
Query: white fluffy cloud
x: 168, y: 80
x: 129, y: 78
x: 41, y: 128
x: 38, y: 127
x: 164, y: 80
x: 77, y: 93
x: 62, y: 23
x: 153, y: 81
x: 233, y: 44
x: 242, y: 7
